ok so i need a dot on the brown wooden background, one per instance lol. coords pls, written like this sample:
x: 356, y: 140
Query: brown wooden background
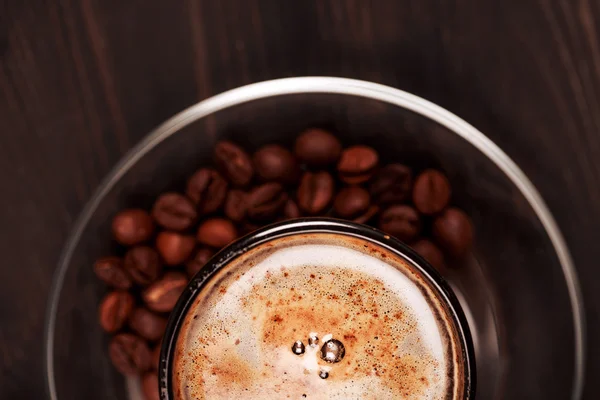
x: 81, y: 81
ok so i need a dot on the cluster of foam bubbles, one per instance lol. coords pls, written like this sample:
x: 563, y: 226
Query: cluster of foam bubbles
x: 242, y: 338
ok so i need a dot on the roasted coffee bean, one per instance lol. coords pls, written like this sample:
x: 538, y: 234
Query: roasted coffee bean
x: 248, y: 226
x: 236, y: 205
x: 155, y: 357
x: 453, y: 230
x: 198, y: 261
x: 234, y: 162
x: 162, y: 295
x: 132, y: 226
x: 291, y: 210
x: 110, y: 270
x: 351, y: 202
x: 431, y: 192
x: 357, y: 164
x: 266, y: 201
x: 142, y: 263
x: 430, y: 252
x: 274, y: 163
x: 207, y: 188
x: 114, y: 310
x: 129, y: 354
x: 400, y: 221
x: 315, y: 192
x: 175, y: 248
x: 392, y: 184
x: 216, y: 232
x: 369, y: 214
x: 317, y: 148
x: 150, y: 386
x: 147, y: 324
x: 174, y: 211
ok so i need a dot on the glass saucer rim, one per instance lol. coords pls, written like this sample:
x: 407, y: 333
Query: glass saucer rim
x: 326, y: 85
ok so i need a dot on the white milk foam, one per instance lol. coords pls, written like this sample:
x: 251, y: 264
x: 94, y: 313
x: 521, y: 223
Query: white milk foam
x: 238, y: 343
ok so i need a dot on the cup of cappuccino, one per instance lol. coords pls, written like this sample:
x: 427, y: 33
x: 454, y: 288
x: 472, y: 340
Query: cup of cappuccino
x: 317, y: 309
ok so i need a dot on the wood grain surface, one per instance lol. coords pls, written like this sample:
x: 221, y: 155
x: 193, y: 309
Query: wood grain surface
x: 81, y: 81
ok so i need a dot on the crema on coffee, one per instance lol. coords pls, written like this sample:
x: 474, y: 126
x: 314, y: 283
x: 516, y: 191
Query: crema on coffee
x: 318, y: 316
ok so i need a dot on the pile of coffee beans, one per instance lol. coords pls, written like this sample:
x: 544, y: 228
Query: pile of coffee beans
x: 170, y: 243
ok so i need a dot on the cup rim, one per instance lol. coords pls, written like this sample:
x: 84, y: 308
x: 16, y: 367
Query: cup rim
x: 312, y: 225
x: 326, y: 85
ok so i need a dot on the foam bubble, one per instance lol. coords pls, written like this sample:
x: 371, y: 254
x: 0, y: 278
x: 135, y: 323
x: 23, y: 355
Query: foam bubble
x: 238, y: 340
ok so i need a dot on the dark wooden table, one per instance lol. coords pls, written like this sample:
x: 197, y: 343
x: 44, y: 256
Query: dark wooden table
x: 81, y: 81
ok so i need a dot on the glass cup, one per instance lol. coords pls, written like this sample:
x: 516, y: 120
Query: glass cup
x: 428, y: 280
x: 518, y: 289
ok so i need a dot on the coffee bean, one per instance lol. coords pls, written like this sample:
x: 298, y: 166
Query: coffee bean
x: 430, y: 252
x: 351, y: 202
x: 150, y: 386
x: 234, y: 163
x: 198, y: 261
x: 274, y: 163
x: 315, y: 192
x: 114, y: 310
x: 431, y: 192
x: 132, y: 226
x: 142, y: 263
x: 162, y: 295
x: 110, y: 270
x: 175, y: 248
x: 369, y: 214
x: 236, y: 205
x: 174, y: 211
x: 216, y: 232
x: 207, y: 188
x: 291, y: 210
x: 248, y: 227
x: 357, y: 164
x: 400, y: 221
x: 266, y: 201
x: 155, y: 357
x: 147, y: 324
x: 454, y: 231
x: 317, y: 148
x: 129, y: 354
x: 391, y: 184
